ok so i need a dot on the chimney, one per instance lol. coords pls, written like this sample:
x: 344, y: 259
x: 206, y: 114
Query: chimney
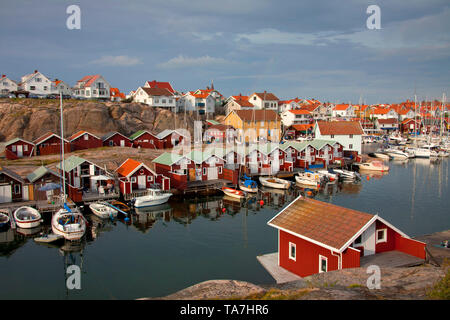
x: 3, y: 76
x: 35, y: 71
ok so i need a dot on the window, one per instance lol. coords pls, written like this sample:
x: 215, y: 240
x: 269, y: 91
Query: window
x: 156, y: 100
x: 381, y: 235
x: 351, y: 136
x: 16, y: 188
x: 323, y: 264
x: 292, y: 253
x: 86, y: 137
x: 14, y: 148
x: 220, y: 170
x: 163, y: 101
x: 204, y: 171
x: 38, y: 79
x: 133, y: 179
x: 332, y: 136
x: 149, y: 178
x: 25, y: 147
x: 32, y: 88
x: 358, y: 241
x: 45, y: 88
x: 350, y: 146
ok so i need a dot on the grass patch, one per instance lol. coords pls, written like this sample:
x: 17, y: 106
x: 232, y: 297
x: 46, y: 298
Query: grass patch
x: 441, y: 289
x: 354, y: 285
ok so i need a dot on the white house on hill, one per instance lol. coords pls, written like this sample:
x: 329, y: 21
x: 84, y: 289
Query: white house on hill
x: 36, y: 83
x: 92, y: 87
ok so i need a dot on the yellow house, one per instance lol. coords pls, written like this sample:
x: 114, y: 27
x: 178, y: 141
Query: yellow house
x: 255, y: 125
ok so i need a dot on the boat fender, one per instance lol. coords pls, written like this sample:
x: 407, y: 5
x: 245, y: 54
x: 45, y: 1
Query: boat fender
x: 224, y: 210
x: 261, y: 202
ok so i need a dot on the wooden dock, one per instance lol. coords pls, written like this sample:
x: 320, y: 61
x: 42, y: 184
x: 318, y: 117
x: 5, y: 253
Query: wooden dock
x: 205, y: 186
x: 281, y: 275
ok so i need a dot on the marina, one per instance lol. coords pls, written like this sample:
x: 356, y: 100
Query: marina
x: 164, y: 248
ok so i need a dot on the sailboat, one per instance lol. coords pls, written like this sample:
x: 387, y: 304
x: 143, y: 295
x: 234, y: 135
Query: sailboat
x: 67, y: 222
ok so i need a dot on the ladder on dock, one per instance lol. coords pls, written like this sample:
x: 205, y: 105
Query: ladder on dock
x: 12, y: 221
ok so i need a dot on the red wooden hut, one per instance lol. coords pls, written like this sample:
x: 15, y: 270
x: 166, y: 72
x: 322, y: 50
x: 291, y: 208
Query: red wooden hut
x: 50, y: 143
x: 18, y: 148
x: 145, y: 139
x: 84, y: 140
x: 116, y: 139
x: 316, y: 237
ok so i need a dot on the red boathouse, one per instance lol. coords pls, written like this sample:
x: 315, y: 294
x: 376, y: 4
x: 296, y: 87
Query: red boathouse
x: 315, y: 236
x: 85, y: 140
x: 18, y: 148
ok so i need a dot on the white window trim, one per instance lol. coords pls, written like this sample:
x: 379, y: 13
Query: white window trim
x: 320, y: 263
x: 133, y: 179
x: 291, y: 244
x: 385, y: 235
x: 149, y: 178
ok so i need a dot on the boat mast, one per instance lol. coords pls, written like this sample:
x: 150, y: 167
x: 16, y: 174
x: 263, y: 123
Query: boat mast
x: 62, y: 147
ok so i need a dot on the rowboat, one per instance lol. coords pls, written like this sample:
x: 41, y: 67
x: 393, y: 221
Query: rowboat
x: 233, y: 193
x: 27, y: 217
x: 276, y: 183
x: 308, y: 178
x: 248, y: 185
x: 102, y: 210
x: 120, y: 205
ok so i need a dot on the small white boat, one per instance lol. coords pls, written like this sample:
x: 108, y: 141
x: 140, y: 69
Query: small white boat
x: 27, y: 217
x: 331, y: 176
x: 152, y: 198
x: 346, y: 174
x: 4, y: 220
x: 102, y: 210
x: 69, y: 224
x: 248, y: 187
x: 373, y: 166
x: 233, y: 193
x: 308, y: 178
x: 276, y: 183
x: 397, y: 154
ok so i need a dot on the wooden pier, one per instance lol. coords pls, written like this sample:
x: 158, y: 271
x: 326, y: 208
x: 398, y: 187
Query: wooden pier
x: 281, y: 275
x: 207, y: 186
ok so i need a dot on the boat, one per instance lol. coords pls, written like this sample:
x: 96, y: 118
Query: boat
x: 397, y: 154
x: 27, y: 217
x: 373, y: 166
x: 276, y: 183
x: 329, y: 174
x: 238, y: 194
x: 153, y: 197
x: 120, y: 205
x: 102, y: 210
x: 248, y: 185
x: 308, y: 178
x: 69, y: 223
x: 346, y: 174
x: 4, y: 220
x: 381, y: 154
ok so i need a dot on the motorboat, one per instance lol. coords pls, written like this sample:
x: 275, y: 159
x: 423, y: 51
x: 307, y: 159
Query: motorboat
x: 153, y: 197
x: 273, y: 182
x: 308, y: 178
x: 27, y: 217
x: 69, y: 223
x: 397, y: 154
x: 102, y: 210
x: 248, y: 185
x: 329, y: 174
x: 381, y: 154
x: 233, y: 193
x: 346, y: 174
x: 373, y: 166
x: 4, y: 220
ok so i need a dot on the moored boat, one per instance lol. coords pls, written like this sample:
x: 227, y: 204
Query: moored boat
x: 4, y: 220
x: 233, y: 193
x: 276, y: 183
x: 69, y: 223
x: 152, y: 198
x: 248, y: 185
x: 27, y: 217
x: 102, y: 210
x: 308, y: 178
x: 373, y: 166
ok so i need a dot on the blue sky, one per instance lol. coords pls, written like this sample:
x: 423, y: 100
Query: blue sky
x: 308, y: 49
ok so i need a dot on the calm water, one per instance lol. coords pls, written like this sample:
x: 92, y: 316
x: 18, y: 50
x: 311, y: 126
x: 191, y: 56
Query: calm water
x: 192, y: 240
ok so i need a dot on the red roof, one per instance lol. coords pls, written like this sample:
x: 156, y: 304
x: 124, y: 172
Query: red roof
x: 387, y: 121
x: 158, y: 84
x: 299, y: 111
x: 266, y: 96
x: 157, y: 91
x: 341, y: 107
x: 79, y: 134
x: 302, y: 127
x: 88, y: 80
x: 129, y: 167
x: 114, y: 92
x: 45, y: 137
x: 339, y: 127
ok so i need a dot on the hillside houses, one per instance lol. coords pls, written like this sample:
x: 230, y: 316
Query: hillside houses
x: 92, y: 87
x: 156, y: 98
x: 7, y: 85
x: 36, y: 83
x: 264, y: 100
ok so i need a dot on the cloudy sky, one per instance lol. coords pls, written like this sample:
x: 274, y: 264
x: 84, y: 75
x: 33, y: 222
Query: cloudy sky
x: 310, y: 49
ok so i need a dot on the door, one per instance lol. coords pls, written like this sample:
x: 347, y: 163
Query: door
x: 191, y: 174
x: 213, y: 173
x: 142, y: 184
x: 25, y: 193
x: 5, y: 194
x: 122, y: 143
x: 20, y: 151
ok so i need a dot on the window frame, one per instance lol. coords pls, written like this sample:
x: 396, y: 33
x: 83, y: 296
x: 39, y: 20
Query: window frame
x: 292, y: 245
x: 323, y: 258
x: 384, y: 239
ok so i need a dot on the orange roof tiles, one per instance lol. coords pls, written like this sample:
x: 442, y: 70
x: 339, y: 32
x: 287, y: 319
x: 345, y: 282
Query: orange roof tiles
x: 266, y: 96
x: 339, y: 127
x: 157, y: 91
x: 128, y: 167
x: 163, y: 85
x: 324, y: 223
x: 299, y: 111
x: 341, y: 107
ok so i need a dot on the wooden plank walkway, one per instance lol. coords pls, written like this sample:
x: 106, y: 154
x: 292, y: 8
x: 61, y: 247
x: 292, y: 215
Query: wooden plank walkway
x: 281, y: 275
x: 390, y: 259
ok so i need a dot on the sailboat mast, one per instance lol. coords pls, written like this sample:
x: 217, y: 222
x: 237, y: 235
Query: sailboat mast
x: 62, y: 146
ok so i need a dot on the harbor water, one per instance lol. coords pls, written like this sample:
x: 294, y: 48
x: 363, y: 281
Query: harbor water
x: 167, y: 248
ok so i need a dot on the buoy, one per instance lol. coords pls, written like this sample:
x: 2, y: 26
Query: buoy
x: 309, y: 193
x: 261, y: 202
x: 368, y: 178
x: 127, y: 219
x: 224, y: 209
x: 318, y: 186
